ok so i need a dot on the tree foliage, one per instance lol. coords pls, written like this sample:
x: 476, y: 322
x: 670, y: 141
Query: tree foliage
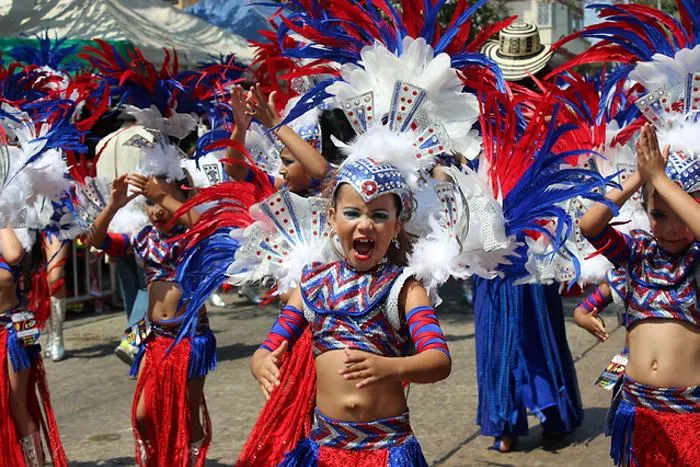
x: 491, y: 12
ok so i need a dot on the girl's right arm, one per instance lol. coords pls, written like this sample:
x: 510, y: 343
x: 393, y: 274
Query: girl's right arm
x: 599, y: 215
x: 586, y: 314
x: 286, y: 331
x: 97, y: 233
x: 236, y: 167
x: 11, y: 247
x: 264, y: 111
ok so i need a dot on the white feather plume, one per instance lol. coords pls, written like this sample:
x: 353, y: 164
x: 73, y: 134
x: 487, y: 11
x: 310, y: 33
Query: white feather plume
x: 178, y: 125
x: 418, y: 65
x: 667, y: 72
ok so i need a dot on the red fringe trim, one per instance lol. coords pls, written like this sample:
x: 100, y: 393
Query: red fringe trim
x: 37, y: 399
x: 163, y: 383
x: 287, y: 417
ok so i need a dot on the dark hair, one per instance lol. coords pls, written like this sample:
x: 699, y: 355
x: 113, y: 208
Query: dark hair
x: 334, y: 123
x: 32, y: 263
x: 397, y: 256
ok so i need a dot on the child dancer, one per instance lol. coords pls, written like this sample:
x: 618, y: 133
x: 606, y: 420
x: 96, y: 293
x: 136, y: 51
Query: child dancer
x: 169, y: 401
x: 657, y: 421
x: 23, y: 383
x: 362, y: 329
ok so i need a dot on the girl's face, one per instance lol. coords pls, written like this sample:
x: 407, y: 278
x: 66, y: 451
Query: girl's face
x: 157, y: 215
x: 297, y: 179
x: 669, y: 230
x: 365, y: 230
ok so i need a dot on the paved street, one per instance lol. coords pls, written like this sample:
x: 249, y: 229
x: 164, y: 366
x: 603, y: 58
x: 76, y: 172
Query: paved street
x: 92, y: 394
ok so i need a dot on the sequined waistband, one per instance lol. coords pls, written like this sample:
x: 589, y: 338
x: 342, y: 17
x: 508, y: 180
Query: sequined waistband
x: 378, y: 434
x: 161, y: 330
x: 6, y: 316
x: 679, y: 400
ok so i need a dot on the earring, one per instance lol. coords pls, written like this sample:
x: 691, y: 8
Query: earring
x: 396, y: 242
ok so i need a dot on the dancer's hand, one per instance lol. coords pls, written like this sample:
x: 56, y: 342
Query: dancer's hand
x: 239, y: 108
x: 369, y: 368
x: 149, y: 187
x: 120, y: 196
x: 262, y: 109
x: 651, y: 162
x: 591, y: 322
x: 265, y: 369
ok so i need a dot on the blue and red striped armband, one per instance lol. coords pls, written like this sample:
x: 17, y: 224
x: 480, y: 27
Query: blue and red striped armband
x: 612, y: 244
x: 289, y: 326
x: 115, y: 244
x: 425, y: 330
x: 596, y: 300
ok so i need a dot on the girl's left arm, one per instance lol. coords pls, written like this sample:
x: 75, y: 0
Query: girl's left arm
x: 432, y: 361
x: 430, y: 364
x: 12, y: 251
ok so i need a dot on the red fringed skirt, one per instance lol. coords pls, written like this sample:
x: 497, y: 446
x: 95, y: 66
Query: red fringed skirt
x: 656, y: 427
x: 162, y: 381
x: 22, y: 357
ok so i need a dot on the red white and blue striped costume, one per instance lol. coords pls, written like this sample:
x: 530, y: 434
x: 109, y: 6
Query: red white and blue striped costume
x: 348, y: 309
x: 652, y: 284
x: 153, y: 250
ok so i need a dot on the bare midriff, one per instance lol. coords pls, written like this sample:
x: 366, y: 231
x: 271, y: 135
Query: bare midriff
x: 665, y: 353
x: 163, y: 299
x: 338, y: 398
x: 8, y: 293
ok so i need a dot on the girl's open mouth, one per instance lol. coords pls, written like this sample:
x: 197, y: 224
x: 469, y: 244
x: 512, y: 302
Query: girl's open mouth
x: 362, y: 248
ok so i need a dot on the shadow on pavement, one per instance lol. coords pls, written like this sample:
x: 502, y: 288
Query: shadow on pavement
x: 98, y: 350
x: 235, y: 351
x: 593, y: 426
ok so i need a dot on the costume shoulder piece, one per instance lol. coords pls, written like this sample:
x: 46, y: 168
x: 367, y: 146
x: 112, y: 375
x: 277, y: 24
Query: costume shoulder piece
x: 338, y: 288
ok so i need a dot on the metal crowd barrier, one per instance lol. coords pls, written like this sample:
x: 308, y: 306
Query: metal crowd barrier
x: 89, y: 277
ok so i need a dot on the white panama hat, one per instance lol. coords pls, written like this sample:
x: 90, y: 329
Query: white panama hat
x: 518, y: 51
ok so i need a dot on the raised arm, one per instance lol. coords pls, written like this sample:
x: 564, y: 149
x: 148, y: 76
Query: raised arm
x: 10, y: 246
x: 599, y: 215
x: 651, y: 163
x: 264, y: 111
x: 237, y: 168
x: 97, y: 233
x: 157, y: 191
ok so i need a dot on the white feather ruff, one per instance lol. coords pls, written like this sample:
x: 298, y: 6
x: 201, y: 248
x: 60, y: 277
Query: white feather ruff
x: 266, y: 252
x: 162, y: 160
x: 682, y: 135
x: 177, y: 125
x: 668, y: 72
x: 26, y: 184
x: 382, y: 144
x: 418, y: 65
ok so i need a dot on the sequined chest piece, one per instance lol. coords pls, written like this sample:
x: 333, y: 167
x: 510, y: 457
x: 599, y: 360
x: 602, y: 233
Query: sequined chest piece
x: 348, y: 309
x: 156, y: 254
x: 658, y: 286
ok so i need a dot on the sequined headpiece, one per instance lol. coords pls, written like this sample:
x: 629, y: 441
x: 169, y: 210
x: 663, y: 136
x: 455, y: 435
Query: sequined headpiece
x: 684, y: 170
x: 371, y: 179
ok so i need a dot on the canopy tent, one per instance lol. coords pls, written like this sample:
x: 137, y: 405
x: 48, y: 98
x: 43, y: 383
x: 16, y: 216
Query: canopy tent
x: 148, y: 25
x: 236, y: 16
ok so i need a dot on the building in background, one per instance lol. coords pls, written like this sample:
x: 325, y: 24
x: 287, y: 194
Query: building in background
x: 554, y: 19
